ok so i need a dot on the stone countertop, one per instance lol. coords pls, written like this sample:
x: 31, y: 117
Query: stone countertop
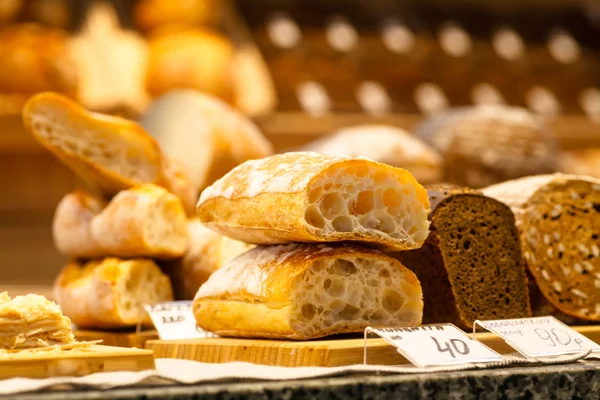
x: 579, y: 380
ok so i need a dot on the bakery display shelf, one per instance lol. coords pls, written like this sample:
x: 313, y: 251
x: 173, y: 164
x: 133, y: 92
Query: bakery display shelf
x: 322, y: 353
x: 117, y: 339
x: 75, y: 362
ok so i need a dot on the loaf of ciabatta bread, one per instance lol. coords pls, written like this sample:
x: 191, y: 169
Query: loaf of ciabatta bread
x: 111, y: 292
x: 32, y: 321
x: 487, y: 144
x: 145, y: 221
x: 207, y: 252
x: 559, y: 218
x: 306, y: 291
x: 308, y: 197
x: 385, y: 144
x: 203, y: 133
x: 470, y: 266
x: 109, y: 153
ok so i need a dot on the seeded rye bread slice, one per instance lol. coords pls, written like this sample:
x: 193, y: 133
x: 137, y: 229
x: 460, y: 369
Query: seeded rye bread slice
x: 558, y: 217
x: 470, y: 266
x: 309, y: 197
x: 307, y: 291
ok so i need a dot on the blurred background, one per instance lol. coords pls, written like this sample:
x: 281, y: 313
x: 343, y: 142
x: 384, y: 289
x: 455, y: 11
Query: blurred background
x: 300, y: 69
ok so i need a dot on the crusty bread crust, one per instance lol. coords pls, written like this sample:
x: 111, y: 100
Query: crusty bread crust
x: 111, y: 292
x: 305, y: 291
x: 308, y: 197
x: 146, y: 221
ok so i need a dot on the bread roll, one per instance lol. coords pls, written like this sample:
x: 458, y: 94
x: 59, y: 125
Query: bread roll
x: 111, y: 292
x: 150, y: 14
x: 385, y: 144
x: 32, y: 321
x: 558, y: 218
x: 206, y: 135
x: 208, y: 251
x: 35, y: 59
x: 301, y: 291
x: 308, y: 197
x: 470, y: 266
x: 488, y: 144
x: 109, y: 153
x: 146, y: 221
x: 191, y: 58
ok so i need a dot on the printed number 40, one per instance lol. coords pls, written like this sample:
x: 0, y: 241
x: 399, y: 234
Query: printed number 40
x: 453, y: 346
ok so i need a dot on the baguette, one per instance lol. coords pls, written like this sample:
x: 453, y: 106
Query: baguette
x: 208, y: 251
x: 111, y: 293
x: 203, y: 133
x: 385, y: 144
x: 558, y: 218
x: 110, y: 154
x: 307, y: 197
x: 307, y: 291
x: 470, y: 266
x: 146, y: 221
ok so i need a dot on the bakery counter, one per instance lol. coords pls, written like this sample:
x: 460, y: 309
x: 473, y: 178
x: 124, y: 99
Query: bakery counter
x: 579, y: 380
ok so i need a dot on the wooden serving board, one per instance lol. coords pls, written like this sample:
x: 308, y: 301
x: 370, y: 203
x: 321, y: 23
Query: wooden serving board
x: 119, y: 339
x: 75, y: 362
x: 322, y: 353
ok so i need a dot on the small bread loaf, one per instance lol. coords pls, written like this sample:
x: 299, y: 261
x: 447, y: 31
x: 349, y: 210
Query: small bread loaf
x: 109, y: 153
x: 559, y: 218
x: 146, y: 221
x: 488, y: 144
x: 150, y: 14
x: 32, y: 321
x: 208, y: 251
x: 190, y: 58
x: 308, y: 197
x: 470, y: 266
x: 385, y: 144
x: 111, y: 292
x: 306, y: 291
x: 203, y: 133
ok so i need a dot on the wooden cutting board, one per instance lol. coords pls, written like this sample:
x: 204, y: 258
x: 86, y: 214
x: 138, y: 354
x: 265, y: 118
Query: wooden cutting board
x: 322, y: 353
x: 119, y: 339
x: 75, y: 362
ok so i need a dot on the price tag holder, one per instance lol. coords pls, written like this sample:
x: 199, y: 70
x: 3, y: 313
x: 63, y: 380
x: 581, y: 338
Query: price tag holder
x: 433, y: 345
x: 175, y: 320
x: 539, y: 336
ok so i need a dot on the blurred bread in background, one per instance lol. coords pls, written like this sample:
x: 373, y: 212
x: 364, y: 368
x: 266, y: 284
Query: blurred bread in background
x: 581, y: 162
x: 385, y: 144
x: 9, y: 10
x: 487, y: 144
x: 55, y: 13
x: 150, y: 14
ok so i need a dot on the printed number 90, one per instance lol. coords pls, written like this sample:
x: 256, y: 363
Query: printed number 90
x: 556, y: 336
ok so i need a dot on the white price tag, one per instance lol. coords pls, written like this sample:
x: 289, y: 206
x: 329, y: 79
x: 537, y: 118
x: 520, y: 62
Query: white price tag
x: 175, y: 320
x: 539, y: 336
x: 439, y: 344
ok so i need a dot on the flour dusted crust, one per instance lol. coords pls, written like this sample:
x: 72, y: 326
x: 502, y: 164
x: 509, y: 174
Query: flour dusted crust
x: 385, y: 144
x: 110, y: 154
x: 308, y: 197
x: 145, y: 221
x: 558, y: 217
x: 32, y: 321
x: 208, y: 251
x: 203, y: 133
x: 111, y: 292
x: 306, y: 291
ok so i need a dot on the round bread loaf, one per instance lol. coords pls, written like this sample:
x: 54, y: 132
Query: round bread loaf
x: 150, y: 14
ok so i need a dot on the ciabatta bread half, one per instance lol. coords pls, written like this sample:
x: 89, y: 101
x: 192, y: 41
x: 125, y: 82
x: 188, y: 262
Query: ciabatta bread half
x: 203, y: 133
x: 146, y: 221
x: 32, y: 321
x: 111, y: 292
x: 208, y: 251
x: 109, y: 153
x: 384, y: 144
x: 308, y: 197
x: 307, y: 291
x: 559, y: 218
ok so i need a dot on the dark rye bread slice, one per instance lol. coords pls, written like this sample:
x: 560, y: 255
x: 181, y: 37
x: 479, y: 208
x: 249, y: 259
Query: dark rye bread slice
x: 470, y: 266
x: 559, y: 222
